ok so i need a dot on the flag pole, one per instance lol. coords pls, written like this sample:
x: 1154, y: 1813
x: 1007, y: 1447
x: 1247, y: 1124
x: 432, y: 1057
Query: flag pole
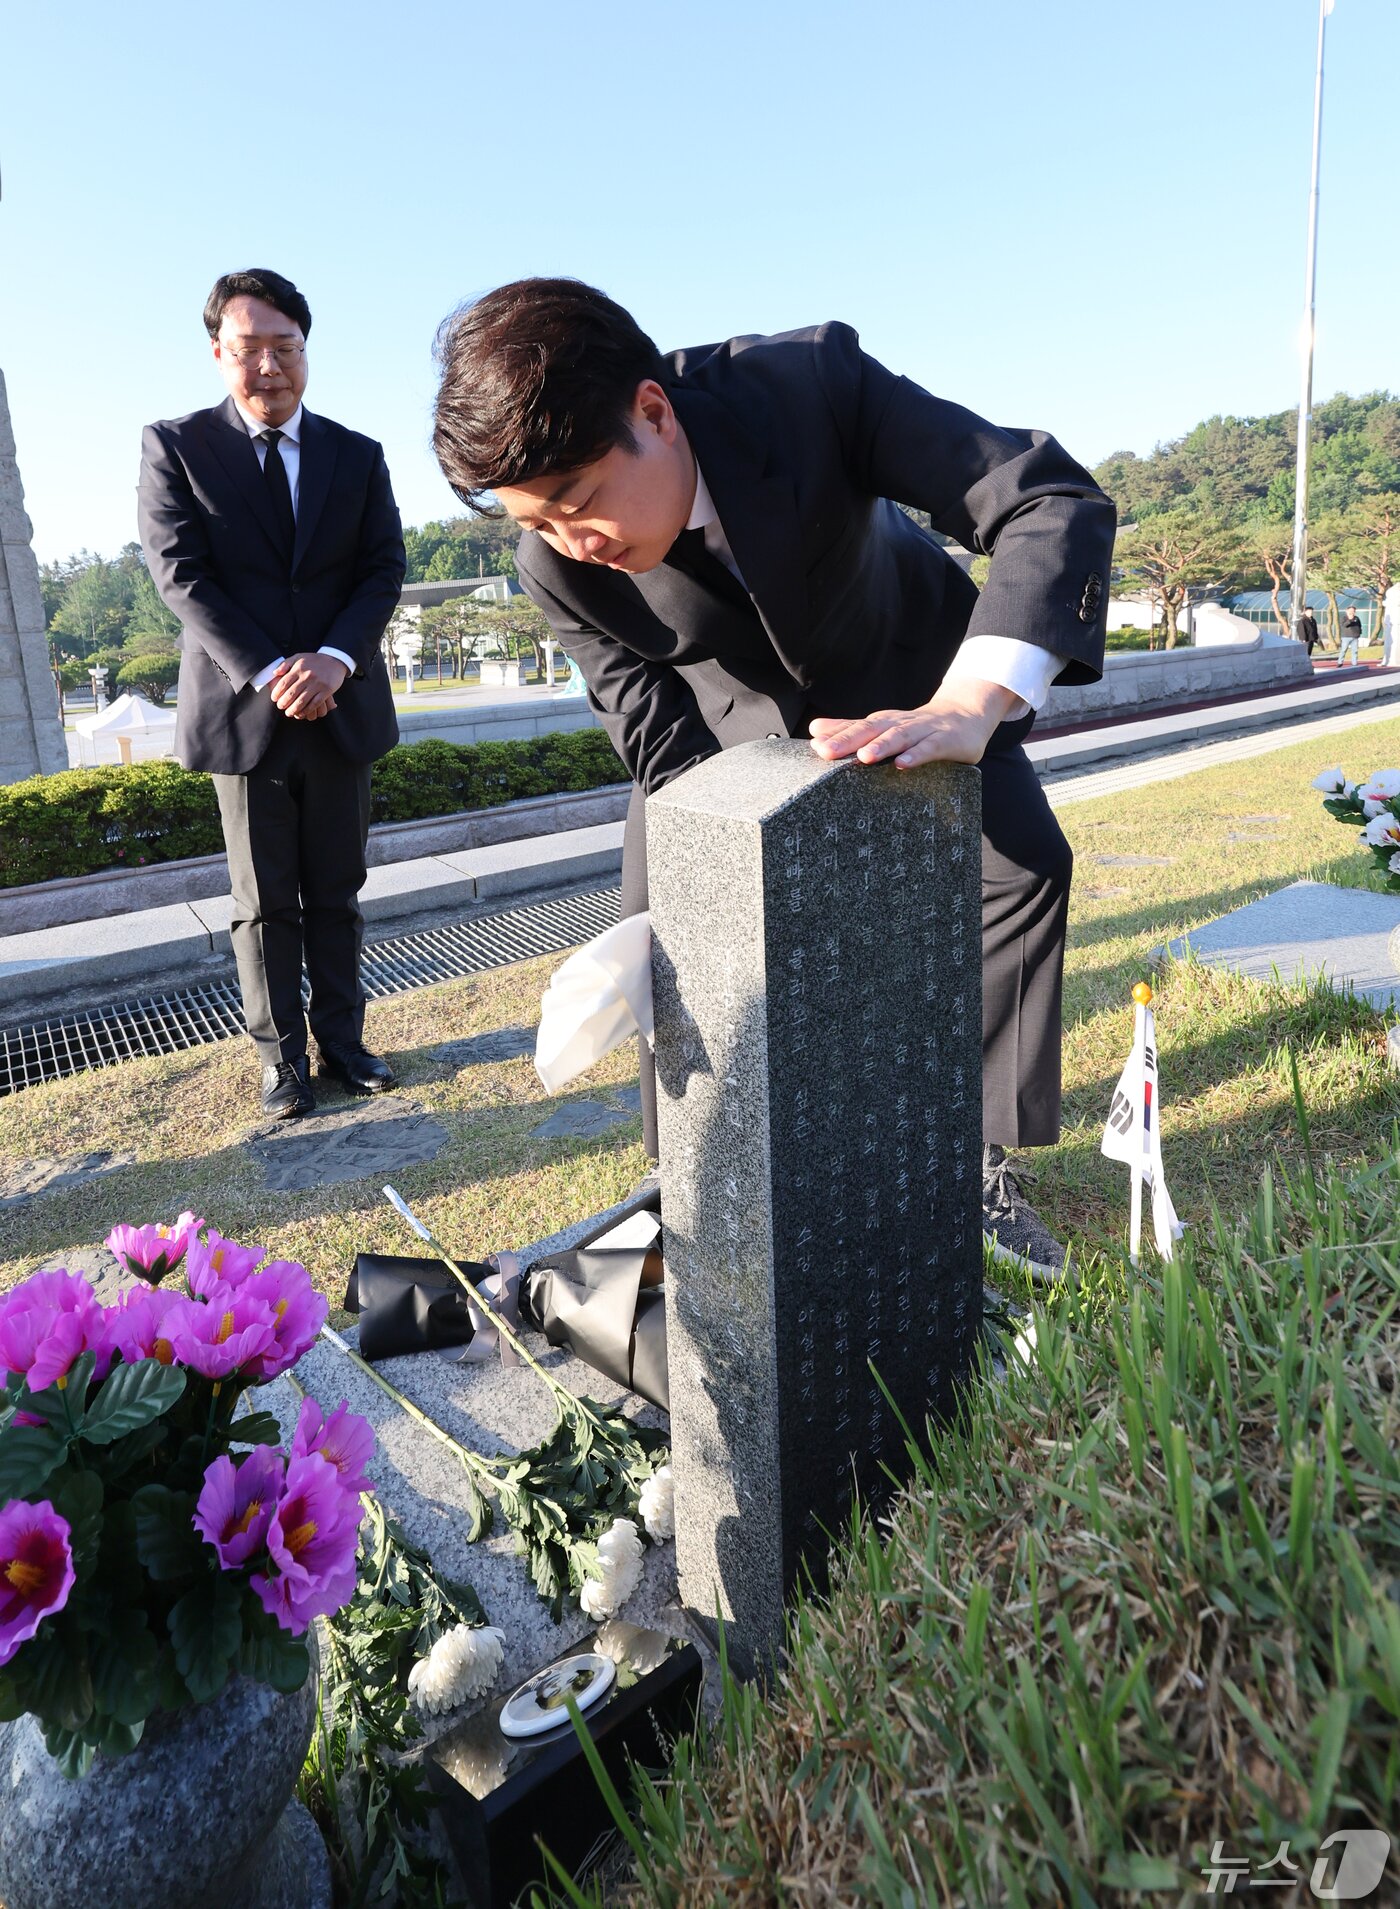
x: 1298, y: 591
x: 1142, y: 996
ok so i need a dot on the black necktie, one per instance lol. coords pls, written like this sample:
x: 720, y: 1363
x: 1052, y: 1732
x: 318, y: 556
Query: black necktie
x: 689, y: 554
x: 279, y: 489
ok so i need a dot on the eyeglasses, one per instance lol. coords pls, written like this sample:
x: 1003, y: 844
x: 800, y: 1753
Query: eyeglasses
x: 252, y: 355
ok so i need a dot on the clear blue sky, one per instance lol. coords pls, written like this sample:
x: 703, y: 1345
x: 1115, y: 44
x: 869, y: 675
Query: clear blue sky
x: 1087, y: 215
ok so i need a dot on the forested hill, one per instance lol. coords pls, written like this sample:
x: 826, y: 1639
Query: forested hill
x: 1236, y: 469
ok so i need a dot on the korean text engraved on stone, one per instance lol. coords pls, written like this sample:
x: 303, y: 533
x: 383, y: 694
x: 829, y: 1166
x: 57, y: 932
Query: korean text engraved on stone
x: 810, y: 934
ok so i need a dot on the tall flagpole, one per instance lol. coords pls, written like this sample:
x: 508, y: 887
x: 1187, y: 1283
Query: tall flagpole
x: 1297, y: 600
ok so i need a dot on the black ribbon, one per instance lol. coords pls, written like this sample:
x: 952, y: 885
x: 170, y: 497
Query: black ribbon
x: 592, y: 1300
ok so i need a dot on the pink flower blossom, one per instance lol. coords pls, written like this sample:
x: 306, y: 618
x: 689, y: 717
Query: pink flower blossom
x: 311, y: 1542
x: 237, y: 1504
x: 298, y: 1313
x: 36, y: 1570
x: 215, y: 1261
x: 225, y: 1335
x: 345, y: 1439
x: 138, y: 1323
x: 153, y: 1251
x: 46, y: 1323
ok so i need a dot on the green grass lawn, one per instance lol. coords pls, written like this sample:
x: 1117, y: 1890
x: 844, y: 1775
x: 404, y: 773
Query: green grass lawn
x: 1223, y: 837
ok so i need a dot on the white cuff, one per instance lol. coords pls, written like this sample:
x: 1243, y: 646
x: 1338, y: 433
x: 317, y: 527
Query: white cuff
x: 339, y: 655
x: 265, y: 676
x: 1026, y: 669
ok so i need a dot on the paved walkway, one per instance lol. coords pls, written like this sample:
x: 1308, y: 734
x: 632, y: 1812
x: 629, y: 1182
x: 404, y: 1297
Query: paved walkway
x: 1170, y: 760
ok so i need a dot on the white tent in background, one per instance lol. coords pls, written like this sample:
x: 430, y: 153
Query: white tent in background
x: 128, y: 730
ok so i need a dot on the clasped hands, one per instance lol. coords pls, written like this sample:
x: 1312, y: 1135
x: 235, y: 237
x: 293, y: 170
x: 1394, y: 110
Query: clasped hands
x: 954, y: 725
x: 304, y: 685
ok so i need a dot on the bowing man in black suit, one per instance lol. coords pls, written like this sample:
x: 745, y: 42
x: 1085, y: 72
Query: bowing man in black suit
x: 715, y: 537
x: 273, y: 536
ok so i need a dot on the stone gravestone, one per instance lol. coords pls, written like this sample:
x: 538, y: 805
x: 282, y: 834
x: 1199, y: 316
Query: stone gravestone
x: 817, y: 976
x: 31, y: 736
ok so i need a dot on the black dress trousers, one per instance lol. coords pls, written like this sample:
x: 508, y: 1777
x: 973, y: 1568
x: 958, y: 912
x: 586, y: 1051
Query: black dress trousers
x: 295, y: 828
x: 1026, y: 870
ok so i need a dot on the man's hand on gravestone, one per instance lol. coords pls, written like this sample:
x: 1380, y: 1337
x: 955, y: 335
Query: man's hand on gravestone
x: 955, y: 725
x: 305, y: 685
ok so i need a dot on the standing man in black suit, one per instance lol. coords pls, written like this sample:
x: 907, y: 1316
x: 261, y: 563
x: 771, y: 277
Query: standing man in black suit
x: 715, y: 537
x: 273, y: 536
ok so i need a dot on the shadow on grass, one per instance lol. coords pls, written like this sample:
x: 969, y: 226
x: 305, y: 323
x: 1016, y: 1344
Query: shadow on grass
x: 483, y: 1145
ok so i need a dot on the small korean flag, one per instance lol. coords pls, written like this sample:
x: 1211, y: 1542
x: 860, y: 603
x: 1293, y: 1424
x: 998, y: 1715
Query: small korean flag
x: 1133, y: 1133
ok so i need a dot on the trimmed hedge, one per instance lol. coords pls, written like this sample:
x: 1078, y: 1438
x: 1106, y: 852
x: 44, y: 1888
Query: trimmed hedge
x: 85, y: 820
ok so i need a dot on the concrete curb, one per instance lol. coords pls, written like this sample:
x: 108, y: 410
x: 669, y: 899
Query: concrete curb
x: 185, y: 944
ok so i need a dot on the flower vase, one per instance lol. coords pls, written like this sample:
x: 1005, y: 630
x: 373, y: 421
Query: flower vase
x: 200, y: 1813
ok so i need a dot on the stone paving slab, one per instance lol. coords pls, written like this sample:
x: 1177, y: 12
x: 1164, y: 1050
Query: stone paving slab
x: 1308, y: 929
x: 58, y: 1175
x: 337, y: 1144
x: 582, y: 1119
x: 479, y: 1050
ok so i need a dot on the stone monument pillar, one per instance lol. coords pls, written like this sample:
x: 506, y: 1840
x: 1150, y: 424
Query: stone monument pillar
x: 31, y: 735
x: 817, y: 970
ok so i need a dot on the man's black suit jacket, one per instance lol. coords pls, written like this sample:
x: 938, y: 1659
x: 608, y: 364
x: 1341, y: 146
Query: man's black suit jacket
x: 211, y: 540
x: 803, y: 439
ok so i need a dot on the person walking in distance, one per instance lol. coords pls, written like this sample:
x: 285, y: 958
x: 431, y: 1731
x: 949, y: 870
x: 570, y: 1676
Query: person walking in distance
x: 273, y: 535
x: 1351, y: 638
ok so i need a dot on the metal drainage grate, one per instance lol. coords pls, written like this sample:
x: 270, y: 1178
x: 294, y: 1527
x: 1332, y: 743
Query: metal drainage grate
x: 48, y: 1050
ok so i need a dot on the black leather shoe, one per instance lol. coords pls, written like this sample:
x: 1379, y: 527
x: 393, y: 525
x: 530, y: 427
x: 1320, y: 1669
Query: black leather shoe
x: 286, y: 1089
x: 356, y: 1068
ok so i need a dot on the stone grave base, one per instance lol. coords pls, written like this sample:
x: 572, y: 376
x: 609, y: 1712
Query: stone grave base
x: 1308, y: 929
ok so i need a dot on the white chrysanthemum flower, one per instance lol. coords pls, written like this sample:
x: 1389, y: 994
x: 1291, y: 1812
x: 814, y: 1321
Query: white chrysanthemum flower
x: 1383, y: 831
x: 657, y: 1503
x: 631, y: 1644
x: 464, y: 1662
x: 619, y: 1569
x: 1331, y: 782
x: 1381, y: 786
x: 1370, y: 808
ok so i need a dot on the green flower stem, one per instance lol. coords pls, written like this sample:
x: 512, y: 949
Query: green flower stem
x: 566, y: 1400
x: 473, y: 1461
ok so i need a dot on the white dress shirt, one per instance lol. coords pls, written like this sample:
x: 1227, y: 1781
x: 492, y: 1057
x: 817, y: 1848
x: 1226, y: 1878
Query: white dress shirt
x: 1026, y: 669
x: 290, y: 449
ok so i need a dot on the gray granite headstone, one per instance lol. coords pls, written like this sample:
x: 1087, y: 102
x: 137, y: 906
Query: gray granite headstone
x: 1309, y: 929
x: 817, y: 981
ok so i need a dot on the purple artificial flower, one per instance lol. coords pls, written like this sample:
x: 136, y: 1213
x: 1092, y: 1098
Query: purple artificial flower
x: 138, y: 1323
x: 153, y: 1251
x: 36, y: 1570
x: 345, y: 1439
x: 237, y: 1504
x: 297, y: 1309
x: 46, y: 1323
x: 223, y: 1335
x: 216, y: 1261
x: 311, y: 1543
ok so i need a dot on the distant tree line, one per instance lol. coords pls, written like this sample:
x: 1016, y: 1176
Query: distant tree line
x: 1213, y: 510
x: 102, y: 611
